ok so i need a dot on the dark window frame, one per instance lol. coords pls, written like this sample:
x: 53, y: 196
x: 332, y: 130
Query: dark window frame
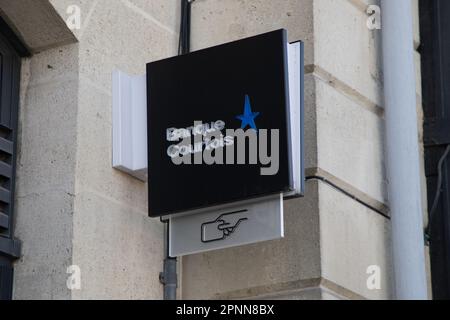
x: 435, y: 55
x: 11, y: 52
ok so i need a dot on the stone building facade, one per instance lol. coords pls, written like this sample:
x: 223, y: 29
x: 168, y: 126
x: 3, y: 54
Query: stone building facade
x: 73, y: 208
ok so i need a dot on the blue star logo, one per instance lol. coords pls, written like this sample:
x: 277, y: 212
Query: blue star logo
x: 248, y: 118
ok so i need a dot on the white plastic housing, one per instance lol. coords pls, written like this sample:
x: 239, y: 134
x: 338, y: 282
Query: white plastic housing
x: 130, y: 124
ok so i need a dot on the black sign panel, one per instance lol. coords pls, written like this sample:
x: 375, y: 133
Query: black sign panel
x: 239, y: 85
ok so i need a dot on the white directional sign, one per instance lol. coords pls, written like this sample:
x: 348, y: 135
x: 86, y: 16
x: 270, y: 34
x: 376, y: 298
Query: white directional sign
x: 227, y: 227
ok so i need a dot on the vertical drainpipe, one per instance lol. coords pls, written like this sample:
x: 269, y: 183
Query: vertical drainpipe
x: 169, y: 276
x: 402, y: 150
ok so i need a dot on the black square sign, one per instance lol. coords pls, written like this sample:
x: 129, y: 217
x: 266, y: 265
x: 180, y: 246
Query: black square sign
x: 229, y: 104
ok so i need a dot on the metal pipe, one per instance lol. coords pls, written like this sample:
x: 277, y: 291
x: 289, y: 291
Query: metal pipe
x: 402, y: 150
x: 169, y: 276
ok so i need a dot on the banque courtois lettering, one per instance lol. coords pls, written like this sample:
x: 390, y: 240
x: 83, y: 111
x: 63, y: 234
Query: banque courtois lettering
x: 204, y: 143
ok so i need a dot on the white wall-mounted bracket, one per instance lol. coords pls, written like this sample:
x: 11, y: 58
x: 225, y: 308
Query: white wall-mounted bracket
x: 130, y: 124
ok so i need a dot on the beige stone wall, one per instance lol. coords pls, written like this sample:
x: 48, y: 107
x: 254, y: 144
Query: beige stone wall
x: 74, y: 209
x: 118, y: 248
x: 350, y: 140
x: 46, y: 172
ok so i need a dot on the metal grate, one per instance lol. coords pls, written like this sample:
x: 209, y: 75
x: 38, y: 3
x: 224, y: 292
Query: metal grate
x: 11, y: 51
x: 6, y: 180
x: 9, y: 93
x: 6, y: 281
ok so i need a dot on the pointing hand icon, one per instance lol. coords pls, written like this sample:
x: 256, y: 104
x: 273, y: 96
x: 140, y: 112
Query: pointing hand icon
x: 223, y: 226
